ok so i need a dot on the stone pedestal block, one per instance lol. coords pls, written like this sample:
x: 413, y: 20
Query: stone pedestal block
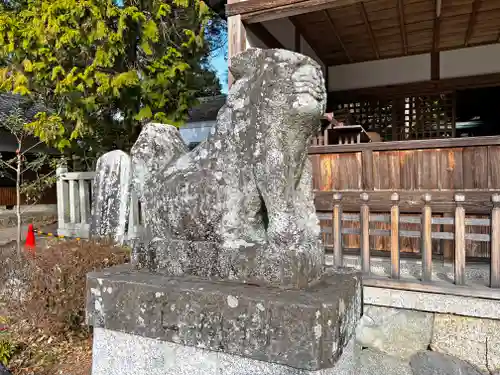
x: 304, y: 330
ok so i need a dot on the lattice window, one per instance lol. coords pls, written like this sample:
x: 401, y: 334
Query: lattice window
x: 406, y: 117
x: 428, y: 116
x: 373, y: 115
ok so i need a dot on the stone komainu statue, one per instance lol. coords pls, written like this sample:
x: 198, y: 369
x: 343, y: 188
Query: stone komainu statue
x: 240, y: 205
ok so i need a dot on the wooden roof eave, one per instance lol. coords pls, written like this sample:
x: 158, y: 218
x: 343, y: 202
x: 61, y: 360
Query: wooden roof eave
x: 264, y: 10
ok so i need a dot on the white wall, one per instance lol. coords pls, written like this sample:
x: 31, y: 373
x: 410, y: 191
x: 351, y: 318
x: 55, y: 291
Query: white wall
x: 380, y: 72
x: 455, y: 63
x: 470, y: 61
x: 283, y: 30
x: 196, y: 132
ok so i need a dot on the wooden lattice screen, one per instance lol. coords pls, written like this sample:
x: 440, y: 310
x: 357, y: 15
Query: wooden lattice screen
x: 406, y: 117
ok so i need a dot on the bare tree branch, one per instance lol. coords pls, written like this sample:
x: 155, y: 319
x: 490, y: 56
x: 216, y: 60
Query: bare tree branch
x: 5, y: 164
x: 31, y: 148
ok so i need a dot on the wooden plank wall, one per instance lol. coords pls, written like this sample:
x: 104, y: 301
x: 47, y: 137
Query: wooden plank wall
x: 461, y: 167
x: 8, y: 197
x: 435, y: 169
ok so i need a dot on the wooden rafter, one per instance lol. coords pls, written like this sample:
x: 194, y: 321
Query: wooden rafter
x: 362, y: 10
x: 402, y: 27
x: 472, y: 21
x: 436, y: 30
x: 337, y: 35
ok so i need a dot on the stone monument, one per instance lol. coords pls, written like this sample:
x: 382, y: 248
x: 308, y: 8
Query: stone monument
x: 111, y: 192
x: 230, y: 276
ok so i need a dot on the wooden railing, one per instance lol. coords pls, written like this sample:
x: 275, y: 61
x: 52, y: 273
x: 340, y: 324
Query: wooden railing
x: 74, y: 202
x: 426, y: 220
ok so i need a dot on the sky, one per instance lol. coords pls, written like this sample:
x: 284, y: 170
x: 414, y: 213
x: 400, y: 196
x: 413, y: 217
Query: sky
x: 220, y: 65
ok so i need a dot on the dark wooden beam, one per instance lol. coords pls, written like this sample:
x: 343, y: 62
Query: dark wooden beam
x: 472, y: 21
x: 298, y: 40
x: 260, y: 31
x: 402, y: 27
x: 369, y: 30
x: 298, y: 27
x: 264, y: 10
x: 337, y: 35
x: 435, y: 65
x: 436, y: 37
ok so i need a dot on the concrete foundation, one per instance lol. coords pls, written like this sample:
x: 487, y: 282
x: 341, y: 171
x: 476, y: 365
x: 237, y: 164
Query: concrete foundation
x: 117, y: 353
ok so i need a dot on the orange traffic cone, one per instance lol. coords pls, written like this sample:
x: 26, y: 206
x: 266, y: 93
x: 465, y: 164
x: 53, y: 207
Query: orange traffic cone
x: 30, y: 238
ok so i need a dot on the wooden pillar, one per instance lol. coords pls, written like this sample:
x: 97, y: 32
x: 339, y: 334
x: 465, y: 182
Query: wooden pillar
x: 426, y: 239
x: 237, y: 38
x: 459, y: 263
x: 395, y: 257
x: 365, y: 233
x: 337, y: 230
x: 495, y: 243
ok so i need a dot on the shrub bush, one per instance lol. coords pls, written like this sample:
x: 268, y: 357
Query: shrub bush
x: 54, y: 283
x: 7, y: 349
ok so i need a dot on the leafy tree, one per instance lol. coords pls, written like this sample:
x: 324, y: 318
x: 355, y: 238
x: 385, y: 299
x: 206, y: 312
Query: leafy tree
x: 25, y: 163
x: 103, y: 68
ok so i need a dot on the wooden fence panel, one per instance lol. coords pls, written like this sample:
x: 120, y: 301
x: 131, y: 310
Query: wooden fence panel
x: 426, y: 219
x: 437, y: 169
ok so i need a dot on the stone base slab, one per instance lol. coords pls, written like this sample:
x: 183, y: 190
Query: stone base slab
x: 305, y: 329
x: 253, y: 263
x: 117, y: 353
